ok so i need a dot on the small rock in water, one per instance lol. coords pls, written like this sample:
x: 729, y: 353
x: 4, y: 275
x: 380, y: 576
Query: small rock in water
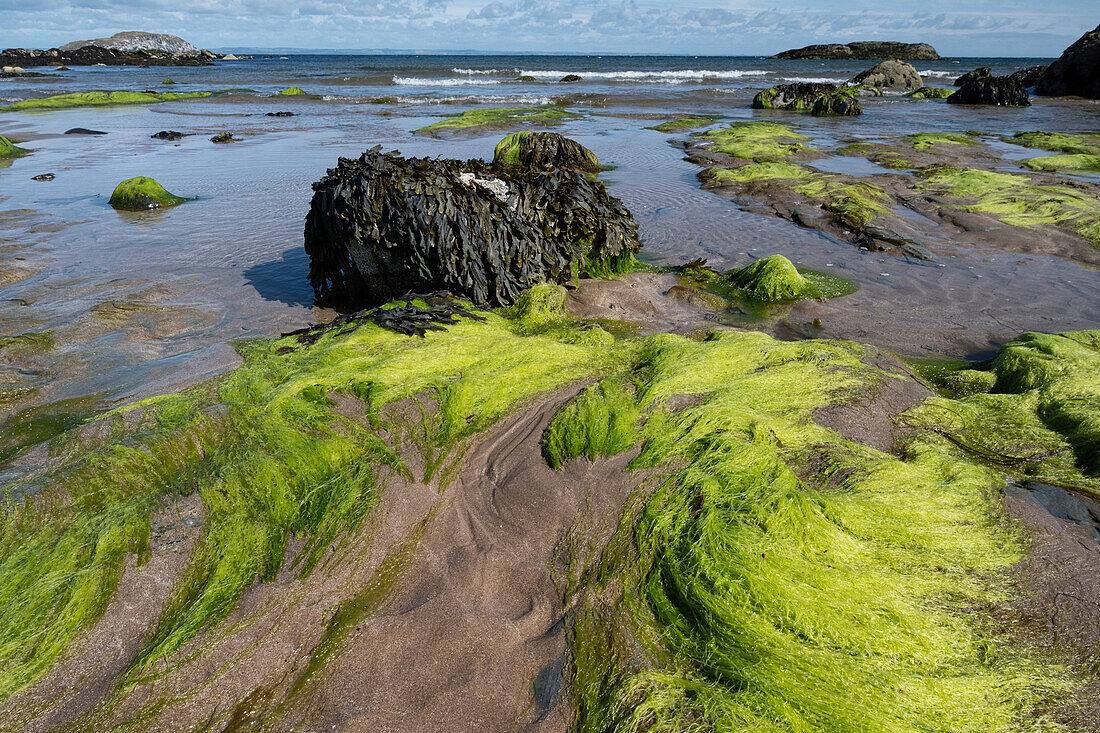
x: 280, y: 114
x: 167, y: 135
x: 225, y: 137
x: 84, y: 131
x: 570, y: 78
x: 43, y: 177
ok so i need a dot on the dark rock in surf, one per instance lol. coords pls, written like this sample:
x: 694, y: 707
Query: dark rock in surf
x: 43, y: 177
x: 167, y: 135
x: 381, y: 225
x: 84, y: 131
x: 570, y: 78
x: 1077, y: 70
x: 1028, y: 77
x: 279, y: 114
x: 224, y: 137
x: 998, y: 91
x: 982, y: 72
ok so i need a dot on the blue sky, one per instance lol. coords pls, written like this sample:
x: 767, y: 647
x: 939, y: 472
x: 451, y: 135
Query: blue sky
x: 735, y: 27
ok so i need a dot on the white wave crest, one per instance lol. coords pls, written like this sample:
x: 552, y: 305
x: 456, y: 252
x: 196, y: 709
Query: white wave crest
x: 810, y: 80
x: 417, y: 81
x: 478, y: 72
x: 939, y: 74
x: 647, y: 77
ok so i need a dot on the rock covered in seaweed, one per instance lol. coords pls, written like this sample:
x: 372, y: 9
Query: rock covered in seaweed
x: 545, y: 150
x: 141, y: 193
x: 820, y: 99
x: 998, y: 91
x: 8, y: 149
x: 1077, y: 70
x: 982, y: 72
x: 862, y: 50
x: 381, y: 225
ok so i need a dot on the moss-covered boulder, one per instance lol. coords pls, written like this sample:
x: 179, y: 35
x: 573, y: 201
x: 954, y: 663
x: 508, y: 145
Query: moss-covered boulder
x: 381, y: 226
x: 291, y: 92
x: 841, y: 103
x: 820, y: 99
x: 8, y: 149
x: 775, y: 279
x: 930, y: 93
x: 545, y: 150
x: 142, y: 193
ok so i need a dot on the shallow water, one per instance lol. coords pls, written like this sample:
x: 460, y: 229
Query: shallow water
x: 144, y: 303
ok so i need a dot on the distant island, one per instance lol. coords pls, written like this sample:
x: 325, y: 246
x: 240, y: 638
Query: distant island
x: 128, y: 48
x: 863, y: 50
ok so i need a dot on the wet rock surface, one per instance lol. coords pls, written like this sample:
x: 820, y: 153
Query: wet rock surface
x: 982, y: 72
x: 893, y: 75
x: 1077, y: 71
x: 167, y: 135
x: 998, y: 91
x: 382, y: 225
x: 545, y: 151
x: 818, y: 98
x: 84, y: 131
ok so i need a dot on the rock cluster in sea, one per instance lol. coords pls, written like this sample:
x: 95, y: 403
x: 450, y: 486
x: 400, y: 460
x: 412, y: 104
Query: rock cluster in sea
x: 862, y: 50
x: 128, y: 48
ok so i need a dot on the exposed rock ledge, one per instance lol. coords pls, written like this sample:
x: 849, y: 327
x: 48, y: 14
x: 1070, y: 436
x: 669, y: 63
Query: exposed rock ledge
x: 862, y: 50
x: 129, y: 48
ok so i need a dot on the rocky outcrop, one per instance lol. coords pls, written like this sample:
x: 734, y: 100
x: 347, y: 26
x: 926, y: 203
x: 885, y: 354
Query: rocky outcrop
x: 822, y: 100
x: 863, y: 50
x: 92, y: 55
x: 999, y: 91
x: 1077, y: 71
x: 129, y: 48
x: 1028, y: 77
x: 545, y: 151
x: 982, y: 72
x: 381, y: 226
x: 135, y: 41
x: 892, y: 75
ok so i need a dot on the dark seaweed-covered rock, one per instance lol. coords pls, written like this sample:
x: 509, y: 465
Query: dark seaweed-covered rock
x: 862, y: 50
x: 414, y: 316
x: 893, y: 75
x: 820, y: 99
x: 167, y: 135
x: 1077, y: 70
x: 84, y: 131
x: 999, y: 91
x: 382, y: 225
x: 43, y: 177
x: 570, y: 78
x: 282, y: 113
x: 982, y: 72
x: 223, y: 137
x: 545, y: 150
x: 1028, y: 77
x: 92, y: 55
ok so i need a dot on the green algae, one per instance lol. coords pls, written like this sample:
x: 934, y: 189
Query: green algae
x: 141, y: 193
x: 291, y: 92
x: 775, y: 279
x: 855, y: 204
x: 500, y: 117
x: 783, y: 578
x: 1070, y: 162
x: 683, y: 124
x: 1039, y: 417
x: 1059, y: 142
x: 757, y: 140
x: 8, y: 149
x: 930, y: 93
x: 764, y: 171
x: 509, y: 151
x: 35, y: 341
x: 601, y: 421
x: 100, y: 99
x: 168, y: 81
x: 1015, y: 200
x: 271, y: 459
x: 926, y: 140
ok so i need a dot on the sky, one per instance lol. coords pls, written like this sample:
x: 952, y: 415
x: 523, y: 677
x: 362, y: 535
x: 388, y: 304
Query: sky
x: 723, y: 27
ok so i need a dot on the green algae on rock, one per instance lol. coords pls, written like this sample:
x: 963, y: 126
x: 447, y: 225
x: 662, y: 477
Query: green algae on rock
x: 8, y: 149
x: 487, y: 118
x: 1015, y: 200
x: 763, y: 583
x: 757, y: 140
x: 821, y: 100
x: 926, y: 140
x: 1059, y: 142
x: 765, y: 171
x: 930, y: 93
x: 775, y: 279
x: 545, y: 150
x: 100, y: 99
x: 291, y: 92
x: 1070, y: 162
x: 141, y: 193
x: 683, y: 124
x: 1039, y: 416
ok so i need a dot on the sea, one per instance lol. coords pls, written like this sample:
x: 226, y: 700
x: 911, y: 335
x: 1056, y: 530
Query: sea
x: 140, y: 304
